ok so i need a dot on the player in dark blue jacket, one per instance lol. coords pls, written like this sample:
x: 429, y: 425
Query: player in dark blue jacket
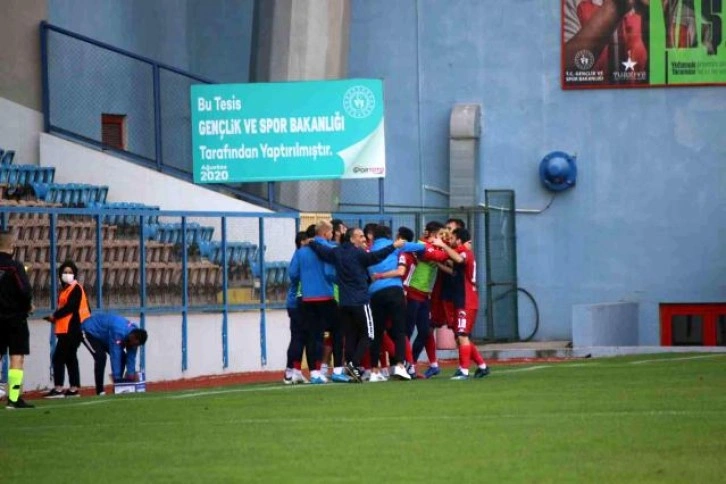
x: 351, y: 261
x: 113, y: 334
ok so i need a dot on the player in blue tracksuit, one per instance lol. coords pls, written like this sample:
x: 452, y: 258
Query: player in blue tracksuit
x: 318, y: 307
x: 113, y: 334
x: 387, y: 298
x: 298, y: 329
x: 351, y: 262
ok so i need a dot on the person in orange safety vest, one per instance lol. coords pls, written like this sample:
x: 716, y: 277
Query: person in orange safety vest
x: 72, y: 310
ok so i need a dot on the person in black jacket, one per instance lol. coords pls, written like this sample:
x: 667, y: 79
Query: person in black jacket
x: 16, y: 303
x: 351, y: 262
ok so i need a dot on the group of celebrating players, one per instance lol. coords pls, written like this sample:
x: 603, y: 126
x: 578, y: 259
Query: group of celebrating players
x: 360, y: 295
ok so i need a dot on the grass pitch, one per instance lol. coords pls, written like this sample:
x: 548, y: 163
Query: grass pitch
x: 634, y: 419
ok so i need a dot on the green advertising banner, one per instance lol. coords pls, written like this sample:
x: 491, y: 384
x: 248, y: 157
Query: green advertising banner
x: 642, y: 43
x: 288, y: 131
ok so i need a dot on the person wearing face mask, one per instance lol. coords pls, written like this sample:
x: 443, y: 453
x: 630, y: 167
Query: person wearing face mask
x: 73, y: 310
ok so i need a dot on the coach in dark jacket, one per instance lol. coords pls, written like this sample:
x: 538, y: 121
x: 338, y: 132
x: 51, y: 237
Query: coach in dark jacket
x: 351, y: 262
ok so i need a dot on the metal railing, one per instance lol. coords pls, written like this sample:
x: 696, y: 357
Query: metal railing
x: 193, y: 282
x: 83, y: 79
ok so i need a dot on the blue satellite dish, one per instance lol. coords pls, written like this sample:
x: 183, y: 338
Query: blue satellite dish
x: 558, y: 171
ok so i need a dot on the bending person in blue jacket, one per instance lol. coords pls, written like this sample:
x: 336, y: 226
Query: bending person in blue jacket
x: 113, y: 334
x: 351, y: 263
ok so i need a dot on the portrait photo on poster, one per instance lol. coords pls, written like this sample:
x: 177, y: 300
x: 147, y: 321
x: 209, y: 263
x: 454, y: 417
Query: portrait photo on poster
x: 641, y: 43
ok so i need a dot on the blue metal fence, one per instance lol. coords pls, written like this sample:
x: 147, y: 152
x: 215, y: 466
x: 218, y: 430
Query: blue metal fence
x: 71, y: 230
x: 83, y: 79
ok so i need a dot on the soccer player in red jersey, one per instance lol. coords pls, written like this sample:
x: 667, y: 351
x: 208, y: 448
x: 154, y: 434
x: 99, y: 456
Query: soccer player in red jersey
x: 466, y: 304
x: 419, y: 283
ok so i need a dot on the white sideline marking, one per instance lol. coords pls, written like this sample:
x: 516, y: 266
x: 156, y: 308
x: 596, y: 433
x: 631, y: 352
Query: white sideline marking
x: 371, y: 419
x: 239, y: 390
x: 519, y: 370
x: 665, y: 360
x: 281, y: 387
x: 189, y: 394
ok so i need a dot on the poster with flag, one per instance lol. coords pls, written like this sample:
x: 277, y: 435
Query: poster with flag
x: 642, y: 43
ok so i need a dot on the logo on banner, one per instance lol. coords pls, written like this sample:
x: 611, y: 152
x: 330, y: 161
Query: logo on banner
x: 359, y: 102
x: 376, y: 170
x: 629, y: 73
x: 584, y: 60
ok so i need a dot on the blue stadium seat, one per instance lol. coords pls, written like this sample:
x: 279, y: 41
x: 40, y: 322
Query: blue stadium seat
x: 205, y: 248
x: 40, y: 189
x: 255, y: 267
x: 150, y: 230
x: 6, y: 157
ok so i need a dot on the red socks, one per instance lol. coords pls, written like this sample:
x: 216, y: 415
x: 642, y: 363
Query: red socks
x: 431, y: 347
x: 465, y: 356
x: 476, y: 356
x: 409, y: 351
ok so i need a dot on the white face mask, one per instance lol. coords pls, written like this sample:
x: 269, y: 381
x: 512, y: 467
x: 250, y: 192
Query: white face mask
x: 67, y: 278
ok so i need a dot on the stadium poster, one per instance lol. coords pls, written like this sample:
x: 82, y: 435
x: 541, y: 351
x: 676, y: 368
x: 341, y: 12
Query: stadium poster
x: 288, y: 131
x: 642, y: 43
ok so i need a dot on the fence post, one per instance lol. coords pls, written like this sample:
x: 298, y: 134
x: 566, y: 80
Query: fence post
x: 185, y: 288
x: 263, y: 294
x: 44, y: 75
x: 157, y: 116
x: 142, y: 288
x: 225, y: 302
x: 99, y: 261
x: 270, y: 195
x: 53, y: 282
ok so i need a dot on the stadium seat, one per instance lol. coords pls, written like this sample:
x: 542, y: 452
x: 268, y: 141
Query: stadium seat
x: 6, y: 158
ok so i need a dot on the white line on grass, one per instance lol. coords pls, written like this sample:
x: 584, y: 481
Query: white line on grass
x: 519, y: 370
x: 166, y: 396
x: 239, y: 390
x: 279, y: 387
x: 666, y: 360
x: 372, y: 419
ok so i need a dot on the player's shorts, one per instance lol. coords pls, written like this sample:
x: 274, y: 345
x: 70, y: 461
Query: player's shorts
x: 442, y: 313
x: 465, y: 320
x: 14, y: 337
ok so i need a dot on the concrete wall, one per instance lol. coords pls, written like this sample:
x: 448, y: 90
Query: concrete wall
x: 644, y: 223
x: 20, y: 128
x: 163, y: 349
x: 20, y: 86
x: 20, y: 53
x: 129, y: 182
x: 302, y: 40
x: 609, y: 324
